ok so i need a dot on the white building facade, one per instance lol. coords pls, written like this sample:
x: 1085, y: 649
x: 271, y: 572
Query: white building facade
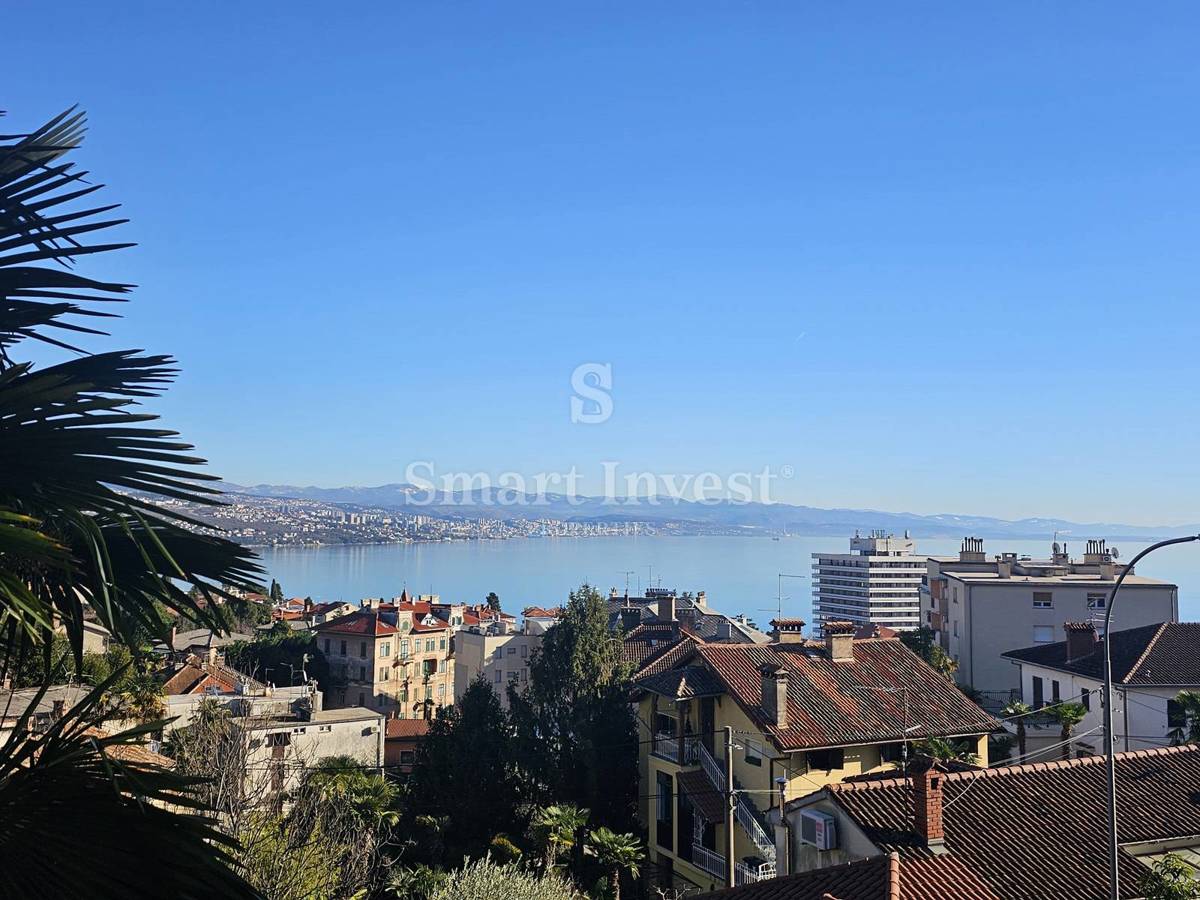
x: 877, y: 583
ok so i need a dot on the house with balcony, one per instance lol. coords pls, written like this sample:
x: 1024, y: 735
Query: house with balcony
x: 394, y: 660
x: 803, y: 714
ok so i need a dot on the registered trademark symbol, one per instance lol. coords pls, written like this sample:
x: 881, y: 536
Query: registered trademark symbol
x: 787, y: 471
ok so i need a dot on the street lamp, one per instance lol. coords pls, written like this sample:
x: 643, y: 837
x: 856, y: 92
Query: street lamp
x: 1109, y: 737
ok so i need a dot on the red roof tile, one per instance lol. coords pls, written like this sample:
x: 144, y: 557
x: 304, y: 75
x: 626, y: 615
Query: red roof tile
x: 1167, y: 653
x: 1039, y: 830
x: 406, y: 728
x: 368, y: 622
x: 859, y: 701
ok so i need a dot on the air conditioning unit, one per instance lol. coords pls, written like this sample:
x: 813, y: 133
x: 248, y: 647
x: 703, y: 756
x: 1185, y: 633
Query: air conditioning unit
x: 818, y: 829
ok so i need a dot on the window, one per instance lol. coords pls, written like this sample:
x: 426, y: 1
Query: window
x: 1054, y: 692
x: 325, y: 728
x: 326, y: 646
x: 429, y: 645
x: 362, y: 649
x: 407, y: 757
x: 512, y: 651
x: 664, y: 724
x: 1086, y: 699
x: 384, y: 673
x: 343, y: 648
x: 499, y: 675
x: 1097, y: 601
x: 825, y: 760
x: 404, y: 649
x: 956, y: 627
x: 513, y: 675
x: 278, y: 739
x: 664, y: 810
x: 1039, y: 692
x: 498, y: 653
x: 891, y: 753
x: 1176, y: 714
x: 1043, y: 600
x: 753, y: 753
x: 524, y: 675
x: 430, y: 666
x: 1043, y: 634
x: 524, y: 651
x: 442, y: 644
x: 441, y: 691
x: 362, y: 699
x: 362, y: 673
x: 404, y: 695
x: 300, y: 730
x: 385, y: 648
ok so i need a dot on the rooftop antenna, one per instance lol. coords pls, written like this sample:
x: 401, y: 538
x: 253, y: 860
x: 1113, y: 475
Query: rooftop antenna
x: 627, y: 573
x: 779, y: 593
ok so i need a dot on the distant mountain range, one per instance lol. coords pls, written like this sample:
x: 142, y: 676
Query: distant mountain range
x: 496, y: 503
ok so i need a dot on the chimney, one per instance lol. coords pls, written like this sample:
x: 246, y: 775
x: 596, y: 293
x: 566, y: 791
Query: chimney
x: 774, y: 693
x: 631, y: 617
x: 1108, y: 571
x: 1081, y: 639
x: 928, y: 781
x: 666, y: 607
x: 724, y: 630
x: 839, y: 640
x: 787, y: 631
x: 1097, y: 552
x: 1004, y: 567
x: 972, y: 550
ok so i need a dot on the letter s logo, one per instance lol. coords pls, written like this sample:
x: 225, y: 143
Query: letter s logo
x: 591, y: 403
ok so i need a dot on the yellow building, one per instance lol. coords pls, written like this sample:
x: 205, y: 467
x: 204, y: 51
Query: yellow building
x: 804, y: 714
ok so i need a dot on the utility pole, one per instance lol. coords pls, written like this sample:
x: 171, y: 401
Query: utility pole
x: 729, y: 806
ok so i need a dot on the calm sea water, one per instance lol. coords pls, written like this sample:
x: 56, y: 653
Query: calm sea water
x: 739, y: 573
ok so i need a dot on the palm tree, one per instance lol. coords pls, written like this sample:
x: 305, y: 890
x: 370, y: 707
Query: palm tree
x: 617, y: 853
x: 369, y: 799
x: 941, y: 749
x: 557, y: 828
x: 1069, y: 715
x: 1018, y: 711
x: 81, y: 469
x: 1188, y: 729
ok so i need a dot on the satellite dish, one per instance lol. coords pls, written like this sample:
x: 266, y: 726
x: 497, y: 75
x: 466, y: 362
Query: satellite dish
x: 1114, y: 553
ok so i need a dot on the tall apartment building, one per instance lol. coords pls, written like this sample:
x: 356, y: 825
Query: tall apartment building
x: 390, y: 659
x: 877, y: 583
x: 981, y: 608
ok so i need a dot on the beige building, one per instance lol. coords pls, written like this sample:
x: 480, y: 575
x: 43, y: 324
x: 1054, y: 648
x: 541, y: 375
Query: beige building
x: 393, y: 660
x: 981, y: 608
x: 807, y: 712
x: 498, y: 652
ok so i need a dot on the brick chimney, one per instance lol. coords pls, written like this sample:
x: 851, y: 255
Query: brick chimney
x: 631, y: 617
x: 787, y: 631
x: 839, y: 640
x: 928, y: 781
x: 666, y: 607
x: 1081, y: 639
x: 774, y: 693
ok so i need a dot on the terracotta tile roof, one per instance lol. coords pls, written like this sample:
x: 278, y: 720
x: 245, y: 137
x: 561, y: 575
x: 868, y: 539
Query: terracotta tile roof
x: 834, y: 704
x: 367, y: 622
x: 540, y: 612
x: 192, y: 679
x: 863, y: 879
x: 706, y: 799
x: 1038, y: 830
x: 680, y: 684
x: 406, y: 728
x: 1167, y: 653
x: 656, y: 646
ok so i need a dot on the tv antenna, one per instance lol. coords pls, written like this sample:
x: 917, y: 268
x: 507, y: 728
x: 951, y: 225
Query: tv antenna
x: 627, y: 573
x: 779, y: 593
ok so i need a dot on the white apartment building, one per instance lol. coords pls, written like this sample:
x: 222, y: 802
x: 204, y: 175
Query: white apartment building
x: 981, y: 608
x: 877, y: 583
x: 498, y: 652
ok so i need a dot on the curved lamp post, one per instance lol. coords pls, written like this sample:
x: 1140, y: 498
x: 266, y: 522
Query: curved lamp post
x: 1109, y: 738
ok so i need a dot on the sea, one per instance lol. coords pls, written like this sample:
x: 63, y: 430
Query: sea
x: 738, y: 574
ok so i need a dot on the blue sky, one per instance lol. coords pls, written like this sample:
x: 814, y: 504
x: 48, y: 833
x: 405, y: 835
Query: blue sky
x: 935, y: 257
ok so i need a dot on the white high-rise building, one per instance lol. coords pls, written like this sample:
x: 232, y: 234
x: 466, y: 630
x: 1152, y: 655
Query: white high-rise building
x: 877, y: 583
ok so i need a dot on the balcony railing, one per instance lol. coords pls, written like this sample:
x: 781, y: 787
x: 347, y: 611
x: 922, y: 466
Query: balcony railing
x: 667, y: 746
x: 742, y: 811
x: 744, y: 874
x: 712, y: 863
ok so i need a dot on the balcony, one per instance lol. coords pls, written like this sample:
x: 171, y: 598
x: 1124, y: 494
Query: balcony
x: 749, y: 874
x: 666, y: 746
x: 712, y: 863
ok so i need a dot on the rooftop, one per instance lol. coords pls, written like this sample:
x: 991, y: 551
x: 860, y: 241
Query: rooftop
x: 847, y: 702
x: 1163, y: 654
x: 406, y: 728
x: 1058, y: 848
